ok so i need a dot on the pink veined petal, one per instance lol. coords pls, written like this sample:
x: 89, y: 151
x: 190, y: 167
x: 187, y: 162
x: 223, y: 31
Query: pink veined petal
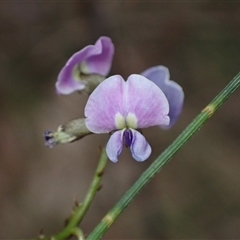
x: 101, y: 63
x: 103, y: 104
x: 115, y: 145
x: 98, y: 60
x: 140, y: 148
x: 147, y: 101
x: 173, y: 91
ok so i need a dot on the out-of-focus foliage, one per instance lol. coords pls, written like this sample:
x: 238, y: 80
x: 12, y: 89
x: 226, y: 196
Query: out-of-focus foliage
x: 196, y: 195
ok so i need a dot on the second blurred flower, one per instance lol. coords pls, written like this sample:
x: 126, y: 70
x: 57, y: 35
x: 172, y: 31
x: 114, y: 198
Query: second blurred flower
x: 173, y: 91
x: 86, y: 68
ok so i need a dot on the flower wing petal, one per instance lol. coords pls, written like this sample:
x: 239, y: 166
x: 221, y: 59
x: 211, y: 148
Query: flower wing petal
x: 114, y: 146
x: 173, y: 91
x: 140, y: 148
x: 96, y: 59
x: 146, y: 101
x: 104, y: 104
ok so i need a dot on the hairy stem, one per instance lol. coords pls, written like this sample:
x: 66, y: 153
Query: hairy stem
x: 80, y: 209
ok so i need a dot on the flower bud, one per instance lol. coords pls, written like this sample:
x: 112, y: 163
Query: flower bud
x: 69, y: 132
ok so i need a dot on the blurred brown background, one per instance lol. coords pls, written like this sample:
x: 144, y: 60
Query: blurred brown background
x: 196, y: 195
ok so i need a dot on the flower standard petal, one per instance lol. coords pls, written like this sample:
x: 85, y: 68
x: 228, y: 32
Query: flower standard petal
x: 104, y: 110
x: 158, y: 74
x: 173, y: 91
x: 102, y: 62
x: 144, y: 100
x: 93, y: 59
x: 140, y: 148
x: 114, y: 146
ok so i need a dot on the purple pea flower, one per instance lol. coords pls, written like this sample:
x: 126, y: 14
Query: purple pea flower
x: 174, y: 93
x: 122, y: 108
x: 93, y: 59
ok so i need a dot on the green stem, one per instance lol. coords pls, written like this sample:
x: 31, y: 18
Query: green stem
x: 81, y: 209
x: 157, y: 165
x: 78, y: 233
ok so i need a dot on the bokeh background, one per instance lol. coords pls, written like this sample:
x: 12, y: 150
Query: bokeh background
x: 196, y: 195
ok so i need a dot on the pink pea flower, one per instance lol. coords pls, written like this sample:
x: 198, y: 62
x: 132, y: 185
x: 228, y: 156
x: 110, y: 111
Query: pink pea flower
x: 122, y: 108
x: 93, y: 59
x: 173, y: 91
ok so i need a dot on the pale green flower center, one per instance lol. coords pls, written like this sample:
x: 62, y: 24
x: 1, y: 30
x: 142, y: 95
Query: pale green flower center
x: 129, y: 122
x: 84, y: 68
x: 78, y: 70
